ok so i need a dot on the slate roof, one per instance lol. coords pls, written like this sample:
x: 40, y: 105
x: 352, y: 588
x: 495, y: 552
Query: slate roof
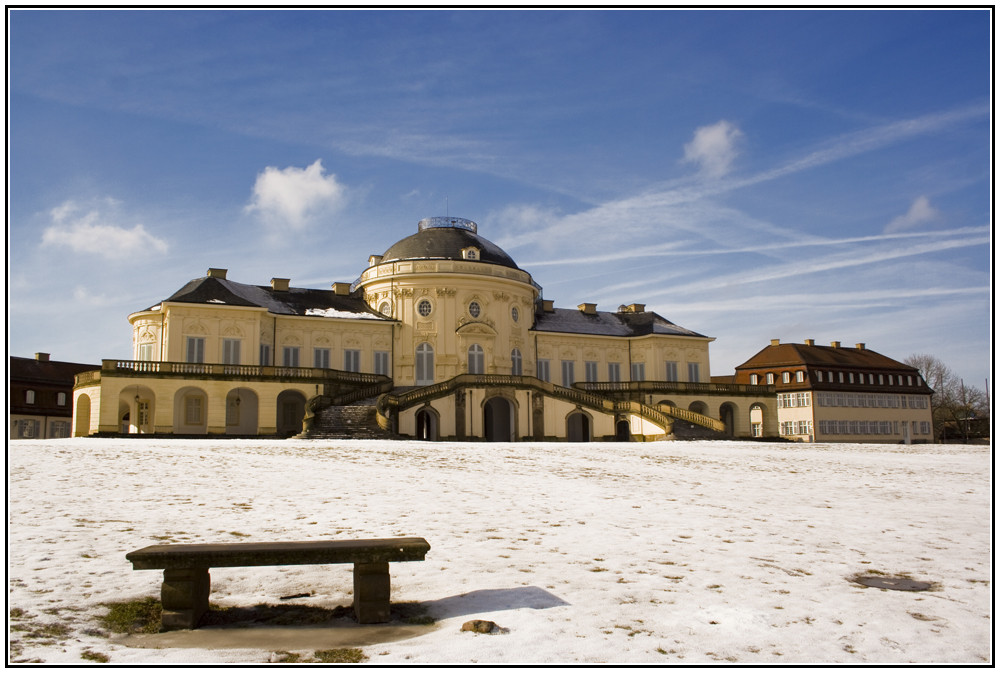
x: 606, y: 323
x: 294, y: 301
x: 30, y: 370
x: 447, y: 243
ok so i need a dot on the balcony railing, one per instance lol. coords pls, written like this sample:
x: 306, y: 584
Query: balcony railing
x: 677, y: 387
x: 214, y: 370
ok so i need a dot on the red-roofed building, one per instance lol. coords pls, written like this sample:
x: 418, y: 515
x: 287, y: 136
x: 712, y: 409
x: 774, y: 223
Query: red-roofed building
x: 41, y: 396
x: 842, y: 394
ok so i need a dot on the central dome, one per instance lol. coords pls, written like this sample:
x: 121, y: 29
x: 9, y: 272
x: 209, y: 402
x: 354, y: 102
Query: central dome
x: 447, y: 238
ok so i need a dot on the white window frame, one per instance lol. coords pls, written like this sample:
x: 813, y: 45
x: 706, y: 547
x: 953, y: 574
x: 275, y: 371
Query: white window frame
x: 516, y: 363
x: 290, y: 356
x: 590, y: 371
x: 542, y: 367
x: 694, y: 372
x: 614, y: 372
x: 321, y: 358
x: 381, y: 362
x: 568, y: 375
x: 231, y: 351
x: 476, y: 359
x: 265, y: 355
x: 424, y: 365
x: 671, y: 371
x: 352, y: 360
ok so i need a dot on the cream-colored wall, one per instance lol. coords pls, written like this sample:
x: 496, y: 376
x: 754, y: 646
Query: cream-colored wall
x: 450, y: 329
x: 173, y: 323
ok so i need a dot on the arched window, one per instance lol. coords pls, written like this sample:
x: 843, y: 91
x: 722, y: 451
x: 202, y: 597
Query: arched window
x: 516, y: 367
x: 385, y: 308
x: 475, y: 359
x: 425, y: 364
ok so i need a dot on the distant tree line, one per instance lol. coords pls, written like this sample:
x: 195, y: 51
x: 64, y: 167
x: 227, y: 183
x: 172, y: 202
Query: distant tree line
x: 961, y: 411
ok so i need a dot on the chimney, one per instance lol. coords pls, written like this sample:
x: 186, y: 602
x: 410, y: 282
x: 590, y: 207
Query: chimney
x: 775, y: 342
x: 217, y: 273
x: 589, y: 309
x: 279, y: 284
x: 835, y: 344
x: 547, y: 306
x: 632, y: 308
x: 42, y: 357
x: 860, y: 347
x: 810, y: 342
x: 341, y: 289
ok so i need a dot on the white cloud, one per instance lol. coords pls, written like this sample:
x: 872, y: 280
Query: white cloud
x: 290, y: 197
x: 713, y: 148
x: 921, y: 211
x: 94, y: 229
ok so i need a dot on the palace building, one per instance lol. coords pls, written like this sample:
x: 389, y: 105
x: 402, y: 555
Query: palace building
x: 841, y: 394
x: 442, y: 336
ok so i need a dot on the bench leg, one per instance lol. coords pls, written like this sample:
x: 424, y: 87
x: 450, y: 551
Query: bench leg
x: 371, y: 592
x: 184, y: 595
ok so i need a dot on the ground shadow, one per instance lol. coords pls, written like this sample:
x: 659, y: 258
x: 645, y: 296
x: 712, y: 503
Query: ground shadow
x: 492, y: 600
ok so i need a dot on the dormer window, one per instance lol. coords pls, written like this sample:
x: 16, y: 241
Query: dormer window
x: 470, y: 253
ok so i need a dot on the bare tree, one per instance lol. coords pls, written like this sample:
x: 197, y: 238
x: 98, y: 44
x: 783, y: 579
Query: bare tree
x: 957, y: 408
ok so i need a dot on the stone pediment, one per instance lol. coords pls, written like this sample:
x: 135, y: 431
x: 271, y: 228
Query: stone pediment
x: 476, y: 328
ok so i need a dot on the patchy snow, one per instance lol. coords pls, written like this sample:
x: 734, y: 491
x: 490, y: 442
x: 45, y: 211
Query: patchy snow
x: 334, y: 313
x: 669, y: 552
x: 216, y: 301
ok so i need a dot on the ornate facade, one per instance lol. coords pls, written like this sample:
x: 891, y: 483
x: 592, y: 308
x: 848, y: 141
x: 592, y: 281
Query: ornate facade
x: 443, y: 337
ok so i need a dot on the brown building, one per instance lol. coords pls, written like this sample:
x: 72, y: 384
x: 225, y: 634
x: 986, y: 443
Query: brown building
x: 837, y: 394
x: 41, y: 396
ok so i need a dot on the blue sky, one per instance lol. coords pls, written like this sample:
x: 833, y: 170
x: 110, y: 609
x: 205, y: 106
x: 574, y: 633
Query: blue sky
x: 746, y: 174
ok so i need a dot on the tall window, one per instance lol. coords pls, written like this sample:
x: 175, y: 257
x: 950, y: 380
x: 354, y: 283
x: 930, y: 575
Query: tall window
x: 192, y: 410
x: 382, y: 363
x: 614, y: 372
x: 770, y: 379
x: 800, y: 376
x: 694, y: 372
x: 145, y: 352
x: 425, y: 364
x: 230, y: 351
x: 352, y: 360
x: 61, y: 399
x: 265, y: 355
x: 29, y: 396
x: 516, y: 363
x: 567, y: 373
x: 475, y: 359
x: 543, y: 370
x: 671, y: 371
x: 590, y: 371
x: 196, y: 349
x: 638, y: 371
x: 321, y: 358
x: 754, y: 379
x: 290, y: 356
x: 786, y: 377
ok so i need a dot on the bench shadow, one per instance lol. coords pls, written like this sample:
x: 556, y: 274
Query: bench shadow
x: 492, y: 600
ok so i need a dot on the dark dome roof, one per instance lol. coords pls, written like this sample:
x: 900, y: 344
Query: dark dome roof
x: 446, y: 238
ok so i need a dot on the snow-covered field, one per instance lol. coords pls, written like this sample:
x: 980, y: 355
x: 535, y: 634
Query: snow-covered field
x: 670, y: 552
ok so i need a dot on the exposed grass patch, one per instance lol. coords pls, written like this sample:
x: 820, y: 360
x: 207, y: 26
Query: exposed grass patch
x: 90, y: 655
x: 341, y: 655
x: 413, y: 613
x: 137, y: 616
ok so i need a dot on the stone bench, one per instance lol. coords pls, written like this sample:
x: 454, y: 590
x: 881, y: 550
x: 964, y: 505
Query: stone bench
x: 186, y: 583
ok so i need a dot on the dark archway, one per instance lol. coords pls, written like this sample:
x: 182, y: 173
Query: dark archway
x: 727, y: 414
x: 427, y: 424
x: 498, y: 420
x: 623, y: 431
x: 578, y: 427
x: 291, y: 411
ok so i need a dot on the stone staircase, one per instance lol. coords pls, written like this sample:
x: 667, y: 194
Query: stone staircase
x: 685, y: 430
x: 352, y: 421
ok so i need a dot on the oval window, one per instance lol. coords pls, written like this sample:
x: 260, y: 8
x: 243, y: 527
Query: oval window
x: 474, y: 309
x: 514, y: 313
x: 424, y: 308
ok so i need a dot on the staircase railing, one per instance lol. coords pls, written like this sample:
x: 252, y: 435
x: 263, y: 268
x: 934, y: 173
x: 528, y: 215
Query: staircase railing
x: 389, y: 403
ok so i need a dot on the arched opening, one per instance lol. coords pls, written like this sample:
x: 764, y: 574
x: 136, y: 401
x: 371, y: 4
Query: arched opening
x: 82, y: 427
x: 135, y: 410
x: 291, y: 410
x: 698, y: 408
x: 190, y: 411
x: 727, y: 414
x: 241, y: 412
x: 757, y: 420
x: 498, y: 420
x: 578, y: 427
x: 623, y: 430
x: 425, y: 365
x: 427, y: 424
